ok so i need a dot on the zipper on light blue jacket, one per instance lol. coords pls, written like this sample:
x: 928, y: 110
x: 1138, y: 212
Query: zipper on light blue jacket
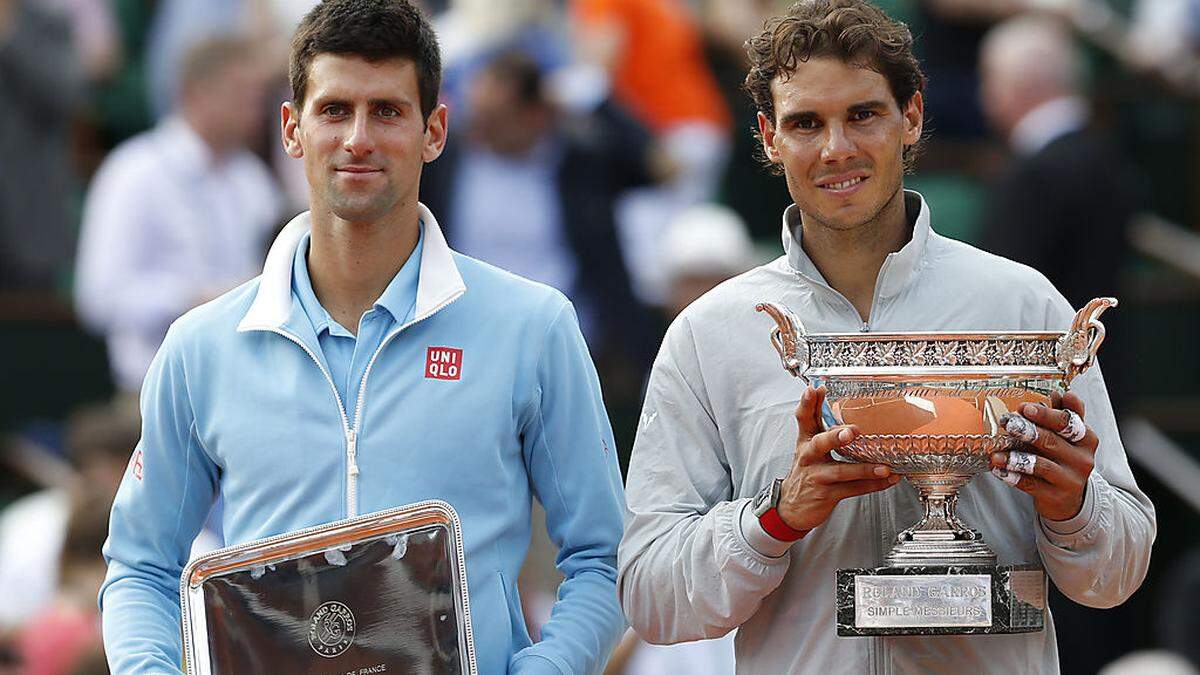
x: 351, y: 432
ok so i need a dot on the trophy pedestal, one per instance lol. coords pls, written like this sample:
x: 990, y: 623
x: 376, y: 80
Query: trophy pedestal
x: 941, y: 600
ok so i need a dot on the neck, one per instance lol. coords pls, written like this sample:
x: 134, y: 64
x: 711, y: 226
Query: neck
x: 850, y: 259
x: 212, y: 140
x: 352, y: 263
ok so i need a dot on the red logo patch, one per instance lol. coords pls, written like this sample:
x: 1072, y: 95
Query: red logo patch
x: 137, y: 465
x: 443, y: 363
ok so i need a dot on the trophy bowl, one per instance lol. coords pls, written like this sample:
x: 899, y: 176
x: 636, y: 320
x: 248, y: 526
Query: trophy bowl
x: 929, y: 406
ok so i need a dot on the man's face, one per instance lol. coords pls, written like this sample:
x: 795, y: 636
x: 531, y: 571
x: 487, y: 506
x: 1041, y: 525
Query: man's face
x: 839, y: 136
x: 229, y: 104
x: 500, y: 120
x: 362, y: 135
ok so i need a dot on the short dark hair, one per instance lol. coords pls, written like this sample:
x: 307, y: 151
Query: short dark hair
x: 853, y: 31
x: 518, y: 70
x: 373, y: 29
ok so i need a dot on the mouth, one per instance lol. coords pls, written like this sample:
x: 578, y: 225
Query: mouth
x: 358, y: 169
x: 841, y: 186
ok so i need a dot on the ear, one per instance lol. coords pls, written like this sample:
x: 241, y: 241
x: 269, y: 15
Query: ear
x: 766, y: 130
x: 436, y: 130
x: 289, y: 123
x: 914, y: 119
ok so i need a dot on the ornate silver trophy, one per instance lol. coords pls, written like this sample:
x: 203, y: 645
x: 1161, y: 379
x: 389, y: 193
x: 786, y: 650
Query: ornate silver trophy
x: 928, y: 405
x: 381, y: 593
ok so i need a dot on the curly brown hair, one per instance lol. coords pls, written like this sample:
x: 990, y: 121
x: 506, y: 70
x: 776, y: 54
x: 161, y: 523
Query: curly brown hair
x: 853, y: 31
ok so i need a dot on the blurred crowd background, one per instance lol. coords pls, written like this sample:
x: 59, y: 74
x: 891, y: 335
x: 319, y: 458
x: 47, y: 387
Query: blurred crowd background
x: 600, y: 146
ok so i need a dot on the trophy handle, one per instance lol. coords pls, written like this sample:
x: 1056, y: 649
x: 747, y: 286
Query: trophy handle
x: 788, y: 337
x: 1077, y: 349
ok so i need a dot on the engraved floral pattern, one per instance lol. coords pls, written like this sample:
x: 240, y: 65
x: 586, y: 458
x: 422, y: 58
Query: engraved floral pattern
x: 1042, y: 351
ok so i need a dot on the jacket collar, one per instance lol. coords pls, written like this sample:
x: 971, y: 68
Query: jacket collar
x: 898, y: 269
x: 438, y: 283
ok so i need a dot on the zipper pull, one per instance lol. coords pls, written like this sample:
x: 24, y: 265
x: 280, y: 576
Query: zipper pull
x: 352, y: 451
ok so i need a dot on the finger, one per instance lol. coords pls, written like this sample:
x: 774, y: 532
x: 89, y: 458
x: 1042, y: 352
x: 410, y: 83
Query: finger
x: 840, y: 472
x: 861, y: 487
x: 1047, y: 443
x: 816, y: 450
x: 1065, y: 422
x: 1072, y: 401
x: 808, y: 413
x: 1029, y: 464
x: 1055, y: 399
x: 1019, y: 480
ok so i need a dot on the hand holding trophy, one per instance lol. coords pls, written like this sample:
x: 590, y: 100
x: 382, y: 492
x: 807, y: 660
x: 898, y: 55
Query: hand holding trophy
x: 938, y: 408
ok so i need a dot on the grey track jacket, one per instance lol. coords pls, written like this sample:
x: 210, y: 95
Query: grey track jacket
x: 718, y: 425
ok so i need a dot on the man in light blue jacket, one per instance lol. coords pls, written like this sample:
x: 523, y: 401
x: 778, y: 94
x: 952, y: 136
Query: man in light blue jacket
x: 368, y: 367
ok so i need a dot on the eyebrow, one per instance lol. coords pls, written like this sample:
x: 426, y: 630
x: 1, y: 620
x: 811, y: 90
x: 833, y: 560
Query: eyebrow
x: 374, y: 102
x: 857, y: 107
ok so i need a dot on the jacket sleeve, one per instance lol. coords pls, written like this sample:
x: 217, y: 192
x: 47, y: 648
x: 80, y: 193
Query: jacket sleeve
x: 688, y: 569
x: 1100, y: 557
x: 571, y: 458
x: 162, y: 503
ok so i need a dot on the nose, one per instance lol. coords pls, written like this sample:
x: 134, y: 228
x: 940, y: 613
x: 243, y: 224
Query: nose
x: 838, y: 144
x: 358, y: 142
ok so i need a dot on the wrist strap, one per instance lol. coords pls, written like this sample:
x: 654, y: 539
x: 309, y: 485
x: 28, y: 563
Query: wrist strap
x: 774, y: 525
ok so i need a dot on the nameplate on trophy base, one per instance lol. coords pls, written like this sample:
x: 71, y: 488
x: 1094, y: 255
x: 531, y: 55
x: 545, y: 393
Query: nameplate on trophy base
x: 940, y: 600
x: 381, y: 593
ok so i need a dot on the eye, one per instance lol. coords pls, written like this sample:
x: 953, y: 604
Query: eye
x: 388, y: 112
x: 807, y: 123
x: 863, y: 115
x: 334, y: 110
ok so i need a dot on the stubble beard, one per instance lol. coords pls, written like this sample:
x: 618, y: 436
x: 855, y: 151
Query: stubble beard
x: 861, y: 226
x: 365, y: 207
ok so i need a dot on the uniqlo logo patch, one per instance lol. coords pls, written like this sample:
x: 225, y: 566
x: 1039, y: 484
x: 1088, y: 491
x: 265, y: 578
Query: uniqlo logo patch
x: 137, y: 465
x: 443, y: 363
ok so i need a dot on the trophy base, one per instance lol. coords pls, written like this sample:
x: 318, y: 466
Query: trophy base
x: 941, y: 600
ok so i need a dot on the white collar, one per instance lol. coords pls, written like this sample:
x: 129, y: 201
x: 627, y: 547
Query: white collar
x: 904, y: 263
x: 438, y: 283
x: 1047, y: 122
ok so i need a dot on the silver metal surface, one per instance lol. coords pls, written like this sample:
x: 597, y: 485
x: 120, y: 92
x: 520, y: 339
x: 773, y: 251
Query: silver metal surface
x: 922, y: 601
x: 384, y: 592
x: 929, y: 405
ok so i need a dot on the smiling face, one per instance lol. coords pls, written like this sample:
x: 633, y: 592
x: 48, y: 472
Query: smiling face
x: 362, y: 136
x: 840, y: 136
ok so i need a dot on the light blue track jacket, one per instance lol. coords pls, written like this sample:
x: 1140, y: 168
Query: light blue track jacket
x: 239, y: 402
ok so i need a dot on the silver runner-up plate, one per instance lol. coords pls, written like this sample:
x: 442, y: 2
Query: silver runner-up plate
x: 380, y: 593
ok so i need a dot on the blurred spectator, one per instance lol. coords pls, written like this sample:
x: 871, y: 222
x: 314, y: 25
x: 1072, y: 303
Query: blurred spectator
x: 652, y: 53
x: 951, y: 32
x: 530, y: 193
x: 178, y: 26
x: 746, y: 187
x: 178, y: 214
x: 34, y: 529
x: 1063, y: 208
x: 41, y: 84
x: 68, y: 631
x: 1064, y: 205
x: 702, y: 247
x: 94, y: 32
x: 474, y: 32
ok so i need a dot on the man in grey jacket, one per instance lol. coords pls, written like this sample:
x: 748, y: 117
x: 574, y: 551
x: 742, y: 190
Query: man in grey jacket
x: 840, y: 105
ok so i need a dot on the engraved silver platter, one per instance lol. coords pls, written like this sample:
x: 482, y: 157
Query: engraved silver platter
x: 928, y: 405
x: 380, y: 593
